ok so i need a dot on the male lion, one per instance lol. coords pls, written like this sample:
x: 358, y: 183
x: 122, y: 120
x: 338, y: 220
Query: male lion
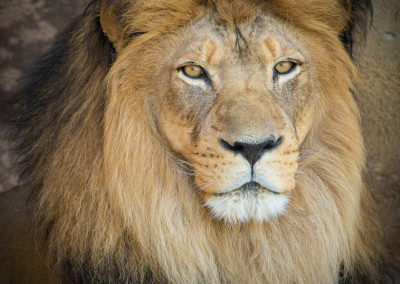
x: 194, y: 142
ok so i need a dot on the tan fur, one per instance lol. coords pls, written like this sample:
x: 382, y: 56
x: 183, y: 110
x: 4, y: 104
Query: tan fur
x: 124, y: 192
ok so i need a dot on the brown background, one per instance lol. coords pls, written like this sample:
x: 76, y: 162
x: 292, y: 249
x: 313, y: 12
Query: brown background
x: 28, y: 28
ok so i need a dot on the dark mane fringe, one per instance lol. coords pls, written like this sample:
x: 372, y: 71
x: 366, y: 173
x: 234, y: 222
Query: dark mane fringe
x: 50, y: 87
x: 360, y: 20
x: 92, y: 3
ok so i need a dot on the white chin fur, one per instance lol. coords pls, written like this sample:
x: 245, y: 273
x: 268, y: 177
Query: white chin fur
x: 245, y: 207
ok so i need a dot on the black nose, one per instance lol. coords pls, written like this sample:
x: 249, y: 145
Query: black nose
x: 252, y: 152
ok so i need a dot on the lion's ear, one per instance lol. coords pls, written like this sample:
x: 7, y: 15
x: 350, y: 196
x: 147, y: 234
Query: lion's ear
x: 110, y: 22
x: 346, y: 18
x: 341, y: 15
x: 359, y: 13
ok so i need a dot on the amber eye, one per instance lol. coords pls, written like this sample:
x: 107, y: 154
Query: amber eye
x: 193, y: 71
x: 285, y: 67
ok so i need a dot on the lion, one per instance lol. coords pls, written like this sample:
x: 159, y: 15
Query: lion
x: 167, y: 141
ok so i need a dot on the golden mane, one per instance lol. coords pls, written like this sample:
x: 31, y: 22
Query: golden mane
x: 91, y: 164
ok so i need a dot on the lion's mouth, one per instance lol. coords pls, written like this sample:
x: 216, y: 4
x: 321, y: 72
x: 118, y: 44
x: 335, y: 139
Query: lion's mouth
x: 250, y: 188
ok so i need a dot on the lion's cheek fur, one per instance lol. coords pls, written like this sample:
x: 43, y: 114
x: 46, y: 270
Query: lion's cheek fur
x: 177, y: 134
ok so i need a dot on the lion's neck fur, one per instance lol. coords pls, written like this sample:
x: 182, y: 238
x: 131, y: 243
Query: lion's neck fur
x: 114, y: 201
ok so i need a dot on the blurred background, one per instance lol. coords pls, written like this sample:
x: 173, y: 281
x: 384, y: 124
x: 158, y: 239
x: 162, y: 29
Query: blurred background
x: 28, y: 28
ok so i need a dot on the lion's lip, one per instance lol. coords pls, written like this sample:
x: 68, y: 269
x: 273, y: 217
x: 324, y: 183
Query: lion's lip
x: 250, y: 187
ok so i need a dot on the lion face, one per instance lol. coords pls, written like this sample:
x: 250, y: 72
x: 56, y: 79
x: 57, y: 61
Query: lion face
x: 231, y: 104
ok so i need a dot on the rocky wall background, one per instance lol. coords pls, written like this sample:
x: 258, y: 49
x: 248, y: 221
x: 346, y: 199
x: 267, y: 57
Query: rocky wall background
x: 28, y: 28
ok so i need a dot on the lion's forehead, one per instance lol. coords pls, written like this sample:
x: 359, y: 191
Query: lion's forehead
x: 239, y: 59
x: 261, y: 34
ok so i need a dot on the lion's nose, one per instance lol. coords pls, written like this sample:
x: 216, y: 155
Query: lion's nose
x: 252, y: 152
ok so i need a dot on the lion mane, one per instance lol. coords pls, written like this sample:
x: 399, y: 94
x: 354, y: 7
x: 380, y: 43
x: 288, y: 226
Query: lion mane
x: 111, y: 202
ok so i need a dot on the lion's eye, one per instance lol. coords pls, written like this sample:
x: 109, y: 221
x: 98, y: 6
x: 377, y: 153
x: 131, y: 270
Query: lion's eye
x: 193, y: 71
x: 284, y: 67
